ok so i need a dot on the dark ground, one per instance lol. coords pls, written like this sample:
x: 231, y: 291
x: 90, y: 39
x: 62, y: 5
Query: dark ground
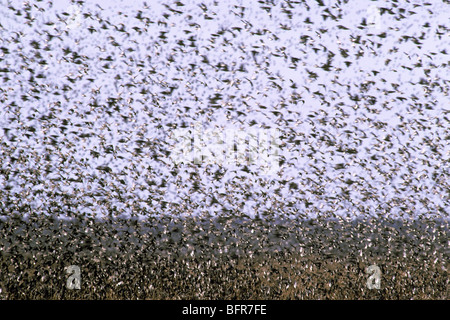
x: 223, y: 258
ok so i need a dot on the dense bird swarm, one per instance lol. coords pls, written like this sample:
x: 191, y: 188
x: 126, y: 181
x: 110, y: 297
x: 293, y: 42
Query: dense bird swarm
x: 90, y: 96
x: 223, y: 258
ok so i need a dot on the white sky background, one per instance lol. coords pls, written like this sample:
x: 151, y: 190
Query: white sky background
x: 400, y: 176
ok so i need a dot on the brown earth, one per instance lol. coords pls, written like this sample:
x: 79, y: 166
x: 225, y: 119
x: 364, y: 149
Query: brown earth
x: 223, y: 258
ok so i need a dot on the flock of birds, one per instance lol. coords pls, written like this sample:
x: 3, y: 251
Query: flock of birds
x: 87, y: 108
x: 91, y: 94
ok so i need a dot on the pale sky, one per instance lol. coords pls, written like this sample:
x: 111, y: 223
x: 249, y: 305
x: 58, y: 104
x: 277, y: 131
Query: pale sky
x: 258, y: 60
